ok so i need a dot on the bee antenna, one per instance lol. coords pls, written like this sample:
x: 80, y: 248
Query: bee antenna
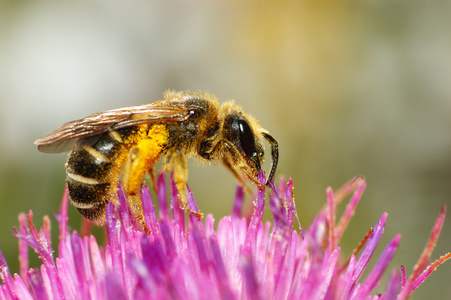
x: 274, y: 154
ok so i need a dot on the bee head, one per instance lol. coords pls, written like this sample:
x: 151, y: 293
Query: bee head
x: 243, y: 140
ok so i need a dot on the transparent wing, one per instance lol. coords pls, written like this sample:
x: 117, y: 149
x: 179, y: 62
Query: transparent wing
x: 63, y: 138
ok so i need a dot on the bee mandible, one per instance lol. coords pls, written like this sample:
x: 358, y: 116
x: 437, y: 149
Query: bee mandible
x: 124, y: 144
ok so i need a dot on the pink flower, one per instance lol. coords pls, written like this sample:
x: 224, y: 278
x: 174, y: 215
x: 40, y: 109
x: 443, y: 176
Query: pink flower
x: 243, y: 258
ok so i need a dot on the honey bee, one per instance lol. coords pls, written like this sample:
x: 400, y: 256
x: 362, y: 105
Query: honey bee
x: 124, y: 144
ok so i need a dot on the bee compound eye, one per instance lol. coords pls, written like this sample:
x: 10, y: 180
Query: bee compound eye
x: 247, y: 138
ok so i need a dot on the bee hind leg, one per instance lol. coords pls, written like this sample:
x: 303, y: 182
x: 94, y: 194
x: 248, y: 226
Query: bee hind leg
x: 153, y: 178
x: 140, y: 159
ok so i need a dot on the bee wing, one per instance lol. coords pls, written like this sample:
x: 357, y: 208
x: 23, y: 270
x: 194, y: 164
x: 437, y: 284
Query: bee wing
x: 63, y: 138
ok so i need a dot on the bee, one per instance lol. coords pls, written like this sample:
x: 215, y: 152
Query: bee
x: 124, y: 144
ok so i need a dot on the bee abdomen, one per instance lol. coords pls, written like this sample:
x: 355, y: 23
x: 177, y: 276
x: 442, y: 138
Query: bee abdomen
x: 89, y: 172
x: 86, y: 195
x: 89, y: 196
x: 86, y: 166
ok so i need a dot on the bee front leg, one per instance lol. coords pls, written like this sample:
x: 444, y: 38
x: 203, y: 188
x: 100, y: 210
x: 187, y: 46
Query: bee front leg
x: 212, y: 153
x: 177, y: 163
x: 233, y: 163
x: 238, y: 176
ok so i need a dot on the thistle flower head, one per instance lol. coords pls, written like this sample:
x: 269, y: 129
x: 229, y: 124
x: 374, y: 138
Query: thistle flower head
x: 243, y: 258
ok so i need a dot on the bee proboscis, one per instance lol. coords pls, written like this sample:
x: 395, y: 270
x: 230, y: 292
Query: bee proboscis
x: 125, y: 143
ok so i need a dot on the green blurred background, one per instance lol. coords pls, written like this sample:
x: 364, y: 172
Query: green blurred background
x: 356, y: 88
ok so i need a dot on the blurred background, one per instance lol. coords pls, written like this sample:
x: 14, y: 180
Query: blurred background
x: 357, y: 88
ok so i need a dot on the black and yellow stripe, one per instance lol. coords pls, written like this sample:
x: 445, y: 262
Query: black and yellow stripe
x: 90, y: 168
x: 95, y: 164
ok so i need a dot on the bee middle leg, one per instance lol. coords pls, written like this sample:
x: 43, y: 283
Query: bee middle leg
x: 176, y: 162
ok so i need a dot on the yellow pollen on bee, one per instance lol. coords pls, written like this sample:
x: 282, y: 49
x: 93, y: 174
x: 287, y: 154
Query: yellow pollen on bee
x: 157, y: 134
x: 143, y: 155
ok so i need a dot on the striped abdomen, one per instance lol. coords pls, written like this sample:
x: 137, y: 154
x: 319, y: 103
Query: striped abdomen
x: 92, y: 169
